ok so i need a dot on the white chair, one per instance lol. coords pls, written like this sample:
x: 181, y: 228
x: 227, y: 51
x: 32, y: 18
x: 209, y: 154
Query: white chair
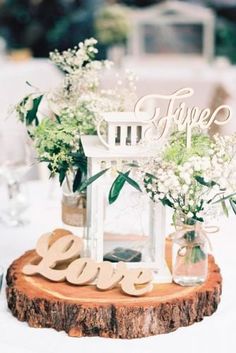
x: 170, y: 26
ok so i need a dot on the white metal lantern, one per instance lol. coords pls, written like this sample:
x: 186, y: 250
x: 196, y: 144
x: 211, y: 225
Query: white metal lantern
x: 120, y: 147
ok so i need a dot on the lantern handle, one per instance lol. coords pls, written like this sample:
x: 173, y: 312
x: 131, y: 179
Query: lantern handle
x: 101, y: 138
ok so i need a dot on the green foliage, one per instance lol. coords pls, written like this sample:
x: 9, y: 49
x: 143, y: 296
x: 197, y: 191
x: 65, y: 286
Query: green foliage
x: 77, y: 180
x: 226, y: 38
x: 75, y: 107
x: 116, y: 187
x: 112, y: 25
x: 31, y: 116
x: 93, y: 178
x: 80, y: 160
x: 166, y: 202
x: 27, y: 109
x: 225, y: 198
x: 225, y: 209
x: 195, y: 254
x: 57, y: 143
x: 202, y: 181
x: 84, y: 118
x: 177, y: 151
x: 43, y: 25
x: 130, y: 181
x: 62, y: 170
x: 233, y: 204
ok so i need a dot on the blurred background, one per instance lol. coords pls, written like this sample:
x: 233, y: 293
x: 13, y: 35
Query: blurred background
x: 168, y: 44
x: 160, y: 40
x: 41, y: 26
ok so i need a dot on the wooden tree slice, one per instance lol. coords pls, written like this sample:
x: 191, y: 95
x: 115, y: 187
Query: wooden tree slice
x: 85, y: 311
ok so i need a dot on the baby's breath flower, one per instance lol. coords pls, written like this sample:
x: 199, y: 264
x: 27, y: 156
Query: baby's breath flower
x: 74, y: 107
x: 192, y: 180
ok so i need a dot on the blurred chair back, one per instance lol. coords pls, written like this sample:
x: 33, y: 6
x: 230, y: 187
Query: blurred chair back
x: 173, y: 28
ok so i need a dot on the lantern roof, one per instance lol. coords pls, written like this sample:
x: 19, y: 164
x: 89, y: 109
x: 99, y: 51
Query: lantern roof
x: 94, y: 148
x: 126, y: 117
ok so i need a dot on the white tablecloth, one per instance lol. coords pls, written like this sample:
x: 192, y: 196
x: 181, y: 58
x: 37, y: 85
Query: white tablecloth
x: 214, y: 334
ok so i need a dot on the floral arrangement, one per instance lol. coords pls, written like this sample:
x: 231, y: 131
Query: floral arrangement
x: 190, y: 181
x: 56, y: 120
x: 193, y: 182
x: 112, y: 25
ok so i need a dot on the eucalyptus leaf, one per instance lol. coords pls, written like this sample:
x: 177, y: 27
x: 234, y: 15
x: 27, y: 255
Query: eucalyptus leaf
x: 166, y: 202
x: 58, y: 119
x: 117, y: 187
x: 131, y: 181
x: 224, y: 207
x: 233, y: 205
x: 31, y: 115
x: 224, y: 198
x: 80, y: 161
x: 77, y: 180
x: 150, y: 175
x: 202, y: 181
x: 197, y: 254
x: 62, y: 175
x: 89, y: 181
x: 30, y: 85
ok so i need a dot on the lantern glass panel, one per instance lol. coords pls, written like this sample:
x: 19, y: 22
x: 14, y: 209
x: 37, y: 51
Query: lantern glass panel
x: 126, y: 223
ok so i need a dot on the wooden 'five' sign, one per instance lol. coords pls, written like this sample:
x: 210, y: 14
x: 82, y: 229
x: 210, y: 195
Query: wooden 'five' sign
x: 60, y: 261
x: 184, y: 117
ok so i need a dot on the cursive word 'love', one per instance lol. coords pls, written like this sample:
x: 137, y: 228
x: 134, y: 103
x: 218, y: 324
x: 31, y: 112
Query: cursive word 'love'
x: 60, y: 261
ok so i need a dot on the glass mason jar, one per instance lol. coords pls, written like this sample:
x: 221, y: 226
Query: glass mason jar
x: 190, y: 254
x: 74, y: 204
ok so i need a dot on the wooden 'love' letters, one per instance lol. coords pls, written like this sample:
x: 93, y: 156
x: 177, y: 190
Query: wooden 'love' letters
x: 60, y: 260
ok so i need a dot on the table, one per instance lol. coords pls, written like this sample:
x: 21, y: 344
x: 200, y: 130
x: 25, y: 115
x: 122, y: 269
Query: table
x: 214, y: 334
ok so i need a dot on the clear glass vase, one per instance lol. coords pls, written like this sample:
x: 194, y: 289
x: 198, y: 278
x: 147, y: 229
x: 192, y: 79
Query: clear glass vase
x: 190, y: 254
x: 74, y: 205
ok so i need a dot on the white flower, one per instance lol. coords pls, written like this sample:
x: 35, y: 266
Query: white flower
x: 185, y: 188
x: 90, y: 41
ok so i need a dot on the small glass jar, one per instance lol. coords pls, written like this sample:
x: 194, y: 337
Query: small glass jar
x: 73, y: 206
x: 190, y: 254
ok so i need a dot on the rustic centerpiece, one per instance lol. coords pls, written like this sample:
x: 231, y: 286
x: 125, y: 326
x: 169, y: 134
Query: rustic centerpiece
x: 72, y: 284
x: 85, y: 311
